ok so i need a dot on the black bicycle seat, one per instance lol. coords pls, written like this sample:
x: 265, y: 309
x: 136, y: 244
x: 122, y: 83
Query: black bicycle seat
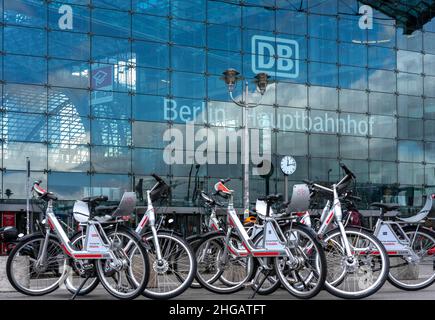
x: 272, y: 198
x: 385, y: 206
x: 95, y: 199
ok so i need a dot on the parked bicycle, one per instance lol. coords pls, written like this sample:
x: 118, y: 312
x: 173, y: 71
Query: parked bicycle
x: 120, y: 259
x: 357, y: 261
x: 292, y: 253
x: 172, y: 261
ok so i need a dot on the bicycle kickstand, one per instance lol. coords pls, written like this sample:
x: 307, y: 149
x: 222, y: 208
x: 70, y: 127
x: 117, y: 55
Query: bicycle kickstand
x: 260, y: 284
x: 80, y: 287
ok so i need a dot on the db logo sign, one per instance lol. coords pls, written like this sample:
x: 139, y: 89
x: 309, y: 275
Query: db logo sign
x: 268, y: 51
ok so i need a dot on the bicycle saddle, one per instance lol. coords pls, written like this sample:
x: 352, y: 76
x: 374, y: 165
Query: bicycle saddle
x: 385, y: 206
x: 95, y: 199
x: 272, y: 198
x: 8, y: 234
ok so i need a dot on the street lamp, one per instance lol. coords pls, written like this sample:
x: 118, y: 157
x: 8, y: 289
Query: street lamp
x: 231, y: 77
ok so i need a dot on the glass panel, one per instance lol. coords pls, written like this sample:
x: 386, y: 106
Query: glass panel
x: 382, y: 103
x: 355, y: 101
x: 146, y: 27
x: 68, y: 128
x: 411, y: 173
x: 224, y: 37
x: 68, y: 157
x: 160, y: 7
x: 409, y: 61
x: 381, y: 80
x: 23, y: 69
x: 384, y: 127
x: 111, y: 23
x: 353, y: 77
x: 188, y: 33
x: 410, y: 128
x: 68, y: 73
x: 408, y: 83
x: 224, y: 13
x: 188, y: 85
x: 383, y: 149
x: 383, y: 172
x: 68, y: 45
x: 429, y: 130
x: 188, y: 59
x: 354, y: 148
x: 15, y: 181
x: 15, y: 153
x: 118, y: 106
x: 31, y: 41
x: 24, y: 127
x: 150, y: 54
x: 323, y: 26
x: 111, y: 159
x: 410, y: 106
x: 411, y: 151
x: 189, y: 9
x: 69, y: 186
x: 26, y: 12
x: 323, y: 74
x: 323, y: 98
x: 24, y: 98
x: 323, y: 145
x: 147, y: 161
x: 149, y: 135
x: 111, y: 185
x: 111, y: 132
x: 291, y: 22
x: 382, y: 58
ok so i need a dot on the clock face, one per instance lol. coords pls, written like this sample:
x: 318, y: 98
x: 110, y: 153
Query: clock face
x: 288, y: 165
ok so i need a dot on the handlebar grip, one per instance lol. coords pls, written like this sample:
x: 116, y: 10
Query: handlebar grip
x: 156, y: 177
x: 225, y: 180
x: 307, y: 182
x: 346, y: 170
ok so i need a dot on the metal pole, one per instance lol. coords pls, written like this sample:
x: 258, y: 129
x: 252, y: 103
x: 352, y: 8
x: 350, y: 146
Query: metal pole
x: 28, y: 197
x: 246, y: 153
x: 285, y: 188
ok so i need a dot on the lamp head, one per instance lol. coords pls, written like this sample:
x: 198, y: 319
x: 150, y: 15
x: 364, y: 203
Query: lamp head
x: 230, y: 76
x: 262, y: 81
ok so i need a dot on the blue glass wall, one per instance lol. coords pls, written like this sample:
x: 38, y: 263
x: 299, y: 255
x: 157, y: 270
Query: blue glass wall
x: 86, y: 87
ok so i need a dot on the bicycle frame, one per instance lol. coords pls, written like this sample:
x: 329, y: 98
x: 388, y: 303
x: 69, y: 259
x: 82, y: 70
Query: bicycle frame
x: 274, y: 242
x: 397, y: 243
x: 96, y: 242
x: 334, y: 214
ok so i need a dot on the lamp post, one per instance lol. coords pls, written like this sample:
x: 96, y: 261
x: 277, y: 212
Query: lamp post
x: 231, y: 77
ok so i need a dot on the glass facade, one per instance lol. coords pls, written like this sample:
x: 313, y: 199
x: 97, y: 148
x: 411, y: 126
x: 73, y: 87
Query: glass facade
x: 89, y: 87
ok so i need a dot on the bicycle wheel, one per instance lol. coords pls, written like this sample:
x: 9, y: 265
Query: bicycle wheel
x: 177, y: 269
x: 194, y: 242
x: 38, y: 279
x: 362, y: 276
x: 77, y: 273
x: 417, y: 273
x: 304, y: 277
x: 215, y: 262
x: 128, y: 280
x: 272, y: 282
